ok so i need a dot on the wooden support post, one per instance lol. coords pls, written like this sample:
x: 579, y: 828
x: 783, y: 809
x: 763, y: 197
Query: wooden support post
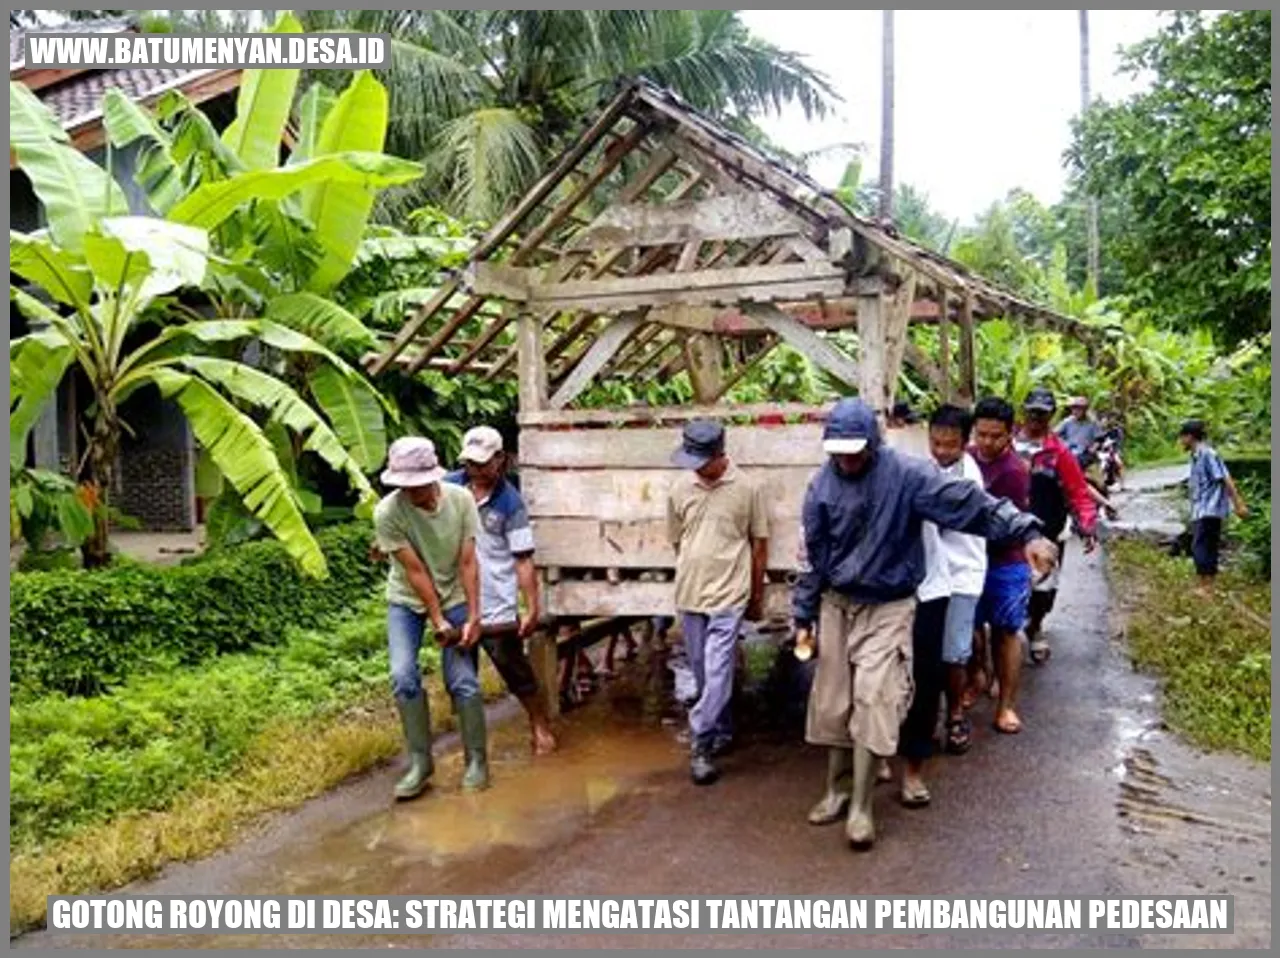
x: 805, y: 341
x: 968, y: 370
x: 532, y: 362
x: 871, y: 353
x: 897, y: 316
x: 944, y: 342
x: 704, y: 353
x: 542, y: 656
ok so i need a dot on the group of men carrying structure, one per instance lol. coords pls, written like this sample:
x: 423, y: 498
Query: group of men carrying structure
x: 913, y: 570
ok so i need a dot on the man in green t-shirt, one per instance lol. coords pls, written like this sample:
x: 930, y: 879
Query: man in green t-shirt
x: 428, y: 528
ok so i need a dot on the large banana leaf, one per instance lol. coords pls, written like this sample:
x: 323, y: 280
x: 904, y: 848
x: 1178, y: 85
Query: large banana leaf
x: 262, y: 109
x: 321, y: 319
x: 158, y: 172
x: 212, y: 203
x: 340, y: 211
x: 75, y: 191
x: 36, y: 366
x: 356, y: 413
x: 246, y: 458
x: 283, y: 405
x: 315, y: 106
x: 59, y: 273
x: 176, y: 255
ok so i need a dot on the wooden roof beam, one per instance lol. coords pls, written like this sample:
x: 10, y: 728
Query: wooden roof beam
x: 506, y: 226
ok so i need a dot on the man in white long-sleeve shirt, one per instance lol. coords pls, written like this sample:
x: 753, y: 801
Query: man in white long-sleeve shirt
x: 966, y: 558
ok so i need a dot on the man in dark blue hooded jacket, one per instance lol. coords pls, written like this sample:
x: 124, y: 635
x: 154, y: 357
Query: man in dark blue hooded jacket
x: 863, y: 560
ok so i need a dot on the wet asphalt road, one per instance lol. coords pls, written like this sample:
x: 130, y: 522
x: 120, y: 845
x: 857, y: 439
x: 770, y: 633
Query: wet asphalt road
x: 1035, y: 814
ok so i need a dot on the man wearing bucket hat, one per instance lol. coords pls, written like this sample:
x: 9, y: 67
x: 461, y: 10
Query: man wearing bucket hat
x: 428, y: 528
x: 504, y: 546
x: 864, y: 561
x: 718, y: 524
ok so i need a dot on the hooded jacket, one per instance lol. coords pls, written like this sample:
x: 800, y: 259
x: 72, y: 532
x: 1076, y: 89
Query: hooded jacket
x: 862, y: 534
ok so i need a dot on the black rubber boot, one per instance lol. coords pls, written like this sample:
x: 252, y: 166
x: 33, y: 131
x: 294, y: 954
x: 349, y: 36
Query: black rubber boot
x: 701, y: 768
x: 416, y: 721
x: 835, y: 801
x: 471, y: 729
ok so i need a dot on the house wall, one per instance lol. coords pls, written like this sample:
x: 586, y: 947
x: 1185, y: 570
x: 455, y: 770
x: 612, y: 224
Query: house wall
x: 155, y: 473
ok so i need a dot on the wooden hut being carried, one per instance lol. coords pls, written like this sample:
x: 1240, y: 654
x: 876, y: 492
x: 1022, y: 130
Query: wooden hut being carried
x: 662, y: 244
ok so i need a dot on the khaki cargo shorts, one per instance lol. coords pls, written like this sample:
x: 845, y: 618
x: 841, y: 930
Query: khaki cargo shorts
x: 863, y: 686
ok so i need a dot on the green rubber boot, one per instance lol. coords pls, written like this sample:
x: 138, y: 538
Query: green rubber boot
x: 835, y: 802
x: 416, y: 720
x: 471, y: 729
x: 860, y: 828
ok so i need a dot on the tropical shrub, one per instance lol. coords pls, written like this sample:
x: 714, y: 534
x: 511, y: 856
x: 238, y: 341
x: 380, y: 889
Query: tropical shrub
x: 74, y: 761
x: 84, y: 632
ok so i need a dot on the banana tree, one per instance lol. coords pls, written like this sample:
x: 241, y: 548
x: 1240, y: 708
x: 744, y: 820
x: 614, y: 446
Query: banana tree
x: 107, y: 278
x: 112, y: 292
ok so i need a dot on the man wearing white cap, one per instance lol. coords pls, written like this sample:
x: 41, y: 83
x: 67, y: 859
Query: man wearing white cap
x: 504, y: 546
x: 428, y: 528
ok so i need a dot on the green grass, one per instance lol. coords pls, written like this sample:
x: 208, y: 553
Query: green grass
x: 1212, y: 656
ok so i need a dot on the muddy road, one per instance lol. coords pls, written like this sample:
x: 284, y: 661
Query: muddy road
x: 1091, y: 799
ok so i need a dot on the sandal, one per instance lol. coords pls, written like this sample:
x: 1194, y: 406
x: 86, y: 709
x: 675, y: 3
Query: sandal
x: 918, y: 797
x: 1040, y: 651
x: 959, y: 736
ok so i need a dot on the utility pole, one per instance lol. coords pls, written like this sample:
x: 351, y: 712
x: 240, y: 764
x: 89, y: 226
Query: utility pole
x: 1093, y: 266
x: 886, y: 119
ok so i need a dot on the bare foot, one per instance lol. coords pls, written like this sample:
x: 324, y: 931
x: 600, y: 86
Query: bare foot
x: 544, y: 742
x: 1007, y: 722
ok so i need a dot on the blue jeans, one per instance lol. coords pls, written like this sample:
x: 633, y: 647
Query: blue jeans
x: 404, y: 640
x: 957, y: 635
x: 711, y: 646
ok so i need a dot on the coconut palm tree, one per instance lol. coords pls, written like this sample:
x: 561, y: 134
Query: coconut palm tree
x: 486, y: 96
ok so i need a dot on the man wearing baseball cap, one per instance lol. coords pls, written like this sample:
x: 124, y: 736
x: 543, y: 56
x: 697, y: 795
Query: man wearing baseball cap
x: 718, y: 524
x: 1059, y: 490
x: 428, y: 528
x: 504, y: 545
x: 864, y: 561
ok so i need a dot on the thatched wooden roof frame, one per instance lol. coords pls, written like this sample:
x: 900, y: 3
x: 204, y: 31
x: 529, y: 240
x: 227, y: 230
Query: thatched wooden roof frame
x: 662, y: 243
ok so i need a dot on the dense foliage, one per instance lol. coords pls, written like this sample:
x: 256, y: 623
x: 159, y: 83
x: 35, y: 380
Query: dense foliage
x: 75, y: 761
x: 83, y: 632
x: 487, y: 97
x: 1187, y: 166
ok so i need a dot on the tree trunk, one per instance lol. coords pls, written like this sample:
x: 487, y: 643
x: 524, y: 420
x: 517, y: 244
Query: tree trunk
x: 886, y: 120
x: 104, y: 444
x: 1091, y: 203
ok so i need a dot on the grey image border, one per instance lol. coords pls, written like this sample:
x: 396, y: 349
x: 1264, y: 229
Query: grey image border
x: 397, y: 905
x: 355, y: 39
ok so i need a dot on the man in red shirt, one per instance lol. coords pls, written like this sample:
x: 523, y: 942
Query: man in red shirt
x: 1059, y: 490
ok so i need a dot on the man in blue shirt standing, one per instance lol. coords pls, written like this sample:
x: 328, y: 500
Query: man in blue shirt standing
x: 1211, y: 486
x: 504, y: 546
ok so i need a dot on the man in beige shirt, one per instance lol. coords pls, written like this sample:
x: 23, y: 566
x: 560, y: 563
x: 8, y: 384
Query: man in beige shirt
x: 718, y: 524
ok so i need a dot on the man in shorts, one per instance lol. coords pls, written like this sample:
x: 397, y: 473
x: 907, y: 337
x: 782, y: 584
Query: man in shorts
x: 504, y: 544
x: 863, y: 564
x: 1210, y: 485
x: 428, y: 529
x: 966, y: 558
x: 1007, y: 588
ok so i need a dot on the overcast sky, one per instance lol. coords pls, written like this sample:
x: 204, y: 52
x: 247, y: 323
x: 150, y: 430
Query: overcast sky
x: 983, y: 99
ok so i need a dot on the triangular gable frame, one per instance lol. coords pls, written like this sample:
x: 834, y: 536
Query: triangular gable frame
x: 661, y: 242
